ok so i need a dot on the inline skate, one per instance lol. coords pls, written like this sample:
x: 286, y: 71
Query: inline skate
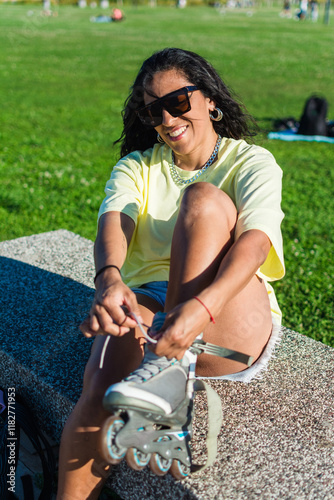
x: 152, y: 413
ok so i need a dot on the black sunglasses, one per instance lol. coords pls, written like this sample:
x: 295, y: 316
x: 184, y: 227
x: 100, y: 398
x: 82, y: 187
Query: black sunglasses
x: 176, y: 103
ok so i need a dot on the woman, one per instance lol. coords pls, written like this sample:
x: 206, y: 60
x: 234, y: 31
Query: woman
x: 192, y: 218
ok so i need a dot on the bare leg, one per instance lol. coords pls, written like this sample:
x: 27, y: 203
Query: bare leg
x: 203, y: 234
x: 82, y: 471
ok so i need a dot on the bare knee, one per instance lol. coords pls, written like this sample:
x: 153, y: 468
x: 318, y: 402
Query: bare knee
x: 204, y: 200
x: 121, y: 356
x: 90, y: 410
x: 95, y: 384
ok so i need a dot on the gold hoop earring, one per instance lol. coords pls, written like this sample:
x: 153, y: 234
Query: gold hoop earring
x: 218, y: 115
x: 160, y: 139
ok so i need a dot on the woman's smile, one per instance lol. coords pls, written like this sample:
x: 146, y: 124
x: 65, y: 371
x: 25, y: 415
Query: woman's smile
x: 177, y: 133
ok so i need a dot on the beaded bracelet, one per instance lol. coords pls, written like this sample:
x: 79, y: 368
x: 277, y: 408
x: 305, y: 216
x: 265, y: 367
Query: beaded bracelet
x: 103, y: 269
x: 211, y: 317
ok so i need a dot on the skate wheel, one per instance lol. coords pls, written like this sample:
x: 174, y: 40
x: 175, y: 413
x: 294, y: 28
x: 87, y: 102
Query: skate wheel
x: 108, y: 448
x: 178, y: 470
x: 159, y: 465
x: 136, y: 459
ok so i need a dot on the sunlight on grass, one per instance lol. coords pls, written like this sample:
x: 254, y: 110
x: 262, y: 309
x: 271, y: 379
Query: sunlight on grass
x: 63, y: 84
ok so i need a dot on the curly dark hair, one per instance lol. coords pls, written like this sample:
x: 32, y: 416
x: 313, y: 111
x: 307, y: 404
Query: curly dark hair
x: 236, y: 122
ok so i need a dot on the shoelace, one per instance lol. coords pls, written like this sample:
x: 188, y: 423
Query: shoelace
x: 140, y: 325
x: 148, y: 369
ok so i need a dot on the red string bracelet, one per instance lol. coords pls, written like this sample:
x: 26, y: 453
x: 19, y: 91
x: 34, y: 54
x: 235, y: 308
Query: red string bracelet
x: 211, y: 317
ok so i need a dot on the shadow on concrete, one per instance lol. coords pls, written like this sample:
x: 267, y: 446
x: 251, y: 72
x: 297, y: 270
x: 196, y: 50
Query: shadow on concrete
x: 41, y: 347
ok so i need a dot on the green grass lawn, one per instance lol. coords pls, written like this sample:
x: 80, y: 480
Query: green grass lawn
x: 62, y: 87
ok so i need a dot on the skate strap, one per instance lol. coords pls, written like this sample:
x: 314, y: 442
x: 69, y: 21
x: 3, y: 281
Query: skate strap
x: 199, y: 346
x: 215, y: 421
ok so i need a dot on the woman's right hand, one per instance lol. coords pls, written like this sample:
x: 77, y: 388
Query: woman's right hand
x: 111, y: 306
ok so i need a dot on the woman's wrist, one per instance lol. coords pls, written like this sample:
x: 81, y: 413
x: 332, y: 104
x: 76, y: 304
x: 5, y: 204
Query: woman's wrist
x: 206, y: 308
x: 107, y: 271
x: 212, y: 299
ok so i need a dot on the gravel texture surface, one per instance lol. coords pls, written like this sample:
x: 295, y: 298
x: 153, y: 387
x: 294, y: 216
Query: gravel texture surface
x: 277, y: 435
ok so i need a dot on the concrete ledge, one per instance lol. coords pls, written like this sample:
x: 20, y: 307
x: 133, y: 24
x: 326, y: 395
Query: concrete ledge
x: 277, y: 437
x: 46, y: 285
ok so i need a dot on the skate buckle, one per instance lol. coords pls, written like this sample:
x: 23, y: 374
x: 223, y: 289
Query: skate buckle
x: 199, y: 346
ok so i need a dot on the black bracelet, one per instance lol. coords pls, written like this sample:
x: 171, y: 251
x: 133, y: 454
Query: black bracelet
x: 103, y: 269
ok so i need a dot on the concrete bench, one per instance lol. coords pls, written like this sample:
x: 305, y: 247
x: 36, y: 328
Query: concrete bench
x: 277, y: 435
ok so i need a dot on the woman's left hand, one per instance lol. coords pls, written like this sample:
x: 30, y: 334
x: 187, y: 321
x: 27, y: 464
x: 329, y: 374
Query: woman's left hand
x: 182, y: 325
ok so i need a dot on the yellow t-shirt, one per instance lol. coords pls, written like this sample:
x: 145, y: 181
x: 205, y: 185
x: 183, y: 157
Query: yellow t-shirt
x: 141, y: 186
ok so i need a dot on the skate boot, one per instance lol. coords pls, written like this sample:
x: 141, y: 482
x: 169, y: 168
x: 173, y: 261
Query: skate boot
x: 152, y: 412
x: 151, y: 421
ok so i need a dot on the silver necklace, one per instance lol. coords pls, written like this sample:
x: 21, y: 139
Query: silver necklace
x: 199, y: 172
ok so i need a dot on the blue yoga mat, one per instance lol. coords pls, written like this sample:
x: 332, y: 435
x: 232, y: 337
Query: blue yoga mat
x: 287, y: 135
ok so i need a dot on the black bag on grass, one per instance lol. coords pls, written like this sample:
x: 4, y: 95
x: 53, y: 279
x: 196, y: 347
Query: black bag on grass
x: 330, y: 129
x: 14, y: 415
x: 313, y: 119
